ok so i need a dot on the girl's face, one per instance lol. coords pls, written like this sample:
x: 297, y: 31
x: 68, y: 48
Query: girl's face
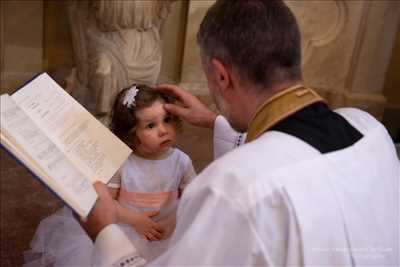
x: 155, y: 131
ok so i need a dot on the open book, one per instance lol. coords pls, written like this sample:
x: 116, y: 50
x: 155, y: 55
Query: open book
x: 59, y: 141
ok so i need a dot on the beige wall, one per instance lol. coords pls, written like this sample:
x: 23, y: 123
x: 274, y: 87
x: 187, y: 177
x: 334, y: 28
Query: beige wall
x: 173, y: 35
x: 392, y: 83
x: 45, y: 43
x: 21, y: 42
x: 58, y: 58
x: 346, y: 48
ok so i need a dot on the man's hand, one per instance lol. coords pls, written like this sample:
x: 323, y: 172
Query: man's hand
x: 192, y: 110
x: 141, y: 222
x: 146, y: 227
x: 103, y: 213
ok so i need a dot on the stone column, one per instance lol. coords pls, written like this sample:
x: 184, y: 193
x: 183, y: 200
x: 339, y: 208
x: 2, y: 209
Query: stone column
x: 21, y: 42
x: 346, y: 49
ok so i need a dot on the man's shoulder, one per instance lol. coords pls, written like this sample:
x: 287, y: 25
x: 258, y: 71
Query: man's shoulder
x: 271, y: 151
x: 361, y: 120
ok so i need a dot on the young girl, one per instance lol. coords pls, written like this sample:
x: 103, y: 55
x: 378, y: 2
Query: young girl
x: 152, y: 179
x: 147, y: 187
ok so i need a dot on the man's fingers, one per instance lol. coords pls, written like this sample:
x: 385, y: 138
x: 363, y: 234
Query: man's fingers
x: 158, y: 228
x: 147, y: 235
x: 176, y: 110
x: 151, y: 213
x: 101, y: 189
x: 193, y: 110
x: 150, y: 236
x: 174, y: 90
x: 156, y: 234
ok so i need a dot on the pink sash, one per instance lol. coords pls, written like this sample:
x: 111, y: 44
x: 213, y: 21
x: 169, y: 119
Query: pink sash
x: 147, y: 200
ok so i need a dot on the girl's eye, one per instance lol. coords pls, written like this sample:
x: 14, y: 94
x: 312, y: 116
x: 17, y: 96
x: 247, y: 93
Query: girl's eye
x: 150, y: 125
x: 168, y: 119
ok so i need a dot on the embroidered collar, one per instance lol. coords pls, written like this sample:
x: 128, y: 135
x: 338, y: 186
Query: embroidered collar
x: 279, y: 107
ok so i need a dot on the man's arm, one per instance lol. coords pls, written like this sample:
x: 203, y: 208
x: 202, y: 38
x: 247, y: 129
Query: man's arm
x: 113, y: 248
x: 225, y: 137
x: 195, y: 112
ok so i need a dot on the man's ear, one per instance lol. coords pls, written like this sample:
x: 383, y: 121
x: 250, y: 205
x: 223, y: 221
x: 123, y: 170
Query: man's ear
x: 222, y: 74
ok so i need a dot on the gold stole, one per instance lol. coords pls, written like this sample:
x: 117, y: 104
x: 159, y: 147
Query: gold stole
x: 279, y: 107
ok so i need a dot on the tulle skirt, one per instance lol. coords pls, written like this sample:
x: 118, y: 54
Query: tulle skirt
x: 60, y: 241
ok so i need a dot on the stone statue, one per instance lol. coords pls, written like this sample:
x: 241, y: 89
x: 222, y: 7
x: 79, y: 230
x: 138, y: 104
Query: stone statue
x: 116, y: 43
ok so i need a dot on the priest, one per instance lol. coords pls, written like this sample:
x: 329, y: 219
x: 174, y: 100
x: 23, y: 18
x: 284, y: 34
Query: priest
x: 309, y: 186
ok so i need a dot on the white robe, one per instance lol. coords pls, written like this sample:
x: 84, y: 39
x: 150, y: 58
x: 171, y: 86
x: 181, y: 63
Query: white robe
x: 279, y: 201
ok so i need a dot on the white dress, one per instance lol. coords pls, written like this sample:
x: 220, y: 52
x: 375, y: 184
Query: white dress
x: 145, y: 185
x: 148, y: 185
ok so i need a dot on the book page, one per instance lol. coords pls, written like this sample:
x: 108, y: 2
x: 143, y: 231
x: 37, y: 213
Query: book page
x: 24, y: 139
x: 87, y: 143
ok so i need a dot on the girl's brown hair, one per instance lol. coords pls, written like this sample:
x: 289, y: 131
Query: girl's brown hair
x: 123, y: 119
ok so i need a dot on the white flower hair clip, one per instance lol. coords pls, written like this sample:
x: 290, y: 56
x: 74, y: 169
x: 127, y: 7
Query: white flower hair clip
x: 129, y: 99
